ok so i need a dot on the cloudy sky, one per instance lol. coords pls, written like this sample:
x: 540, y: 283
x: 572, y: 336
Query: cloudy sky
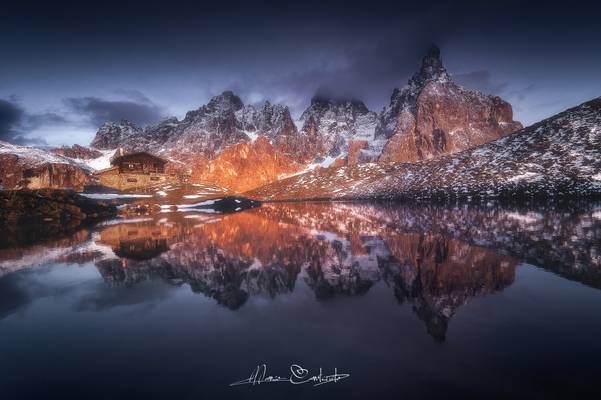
x: 68, y: 66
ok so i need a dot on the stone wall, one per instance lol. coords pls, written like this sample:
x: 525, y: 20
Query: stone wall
x: 118, y: 181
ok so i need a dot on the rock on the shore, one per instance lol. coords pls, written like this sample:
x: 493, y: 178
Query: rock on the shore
x: 50, y: 206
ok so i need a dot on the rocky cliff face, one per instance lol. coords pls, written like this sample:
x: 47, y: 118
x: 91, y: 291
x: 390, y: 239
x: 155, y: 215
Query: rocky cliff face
x: 560, y: 156
x: 76, y: 151
x: 269, y: 120
x: 433, y: 116
x: 34, y: 168
x: 244, y: 166
x: 330, y: 124
x: 112, y: 135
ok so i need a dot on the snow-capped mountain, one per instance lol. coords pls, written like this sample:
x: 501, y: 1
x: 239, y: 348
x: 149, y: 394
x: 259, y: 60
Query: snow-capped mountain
x: 269, y: 120
x: 331, y: 123
x: 222, y: 122
x: 433, y: 115
x: 430, y: 116
x: 114, y: 134
x: 560, y: 156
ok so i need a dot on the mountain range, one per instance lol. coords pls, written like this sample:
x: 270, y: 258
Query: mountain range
x: 432, y: 115
x: 435, y: 139
x: 559, y: 156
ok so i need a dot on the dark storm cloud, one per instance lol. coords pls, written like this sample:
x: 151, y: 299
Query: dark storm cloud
x: 33, y: 121
x: 10, y: 118
x: 368, y: 69
x: 15, y: 123
x: 100, y: 110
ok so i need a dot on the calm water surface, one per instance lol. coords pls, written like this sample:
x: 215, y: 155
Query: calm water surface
x: 412, y: 302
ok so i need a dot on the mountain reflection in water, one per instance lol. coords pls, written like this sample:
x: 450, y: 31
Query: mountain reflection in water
x: 434, y: 258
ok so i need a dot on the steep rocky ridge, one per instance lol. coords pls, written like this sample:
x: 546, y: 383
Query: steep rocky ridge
x: 433, y: 115
x: 560, y: 156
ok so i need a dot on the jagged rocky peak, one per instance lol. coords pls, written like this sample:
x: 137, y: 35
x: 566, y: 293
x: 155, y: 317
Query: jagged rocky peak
x: 431, y: 69
x: 223, y: 104
x: 321, y: 104
x: 112, y: 134
x: 324, y: 101
x: 209, y: 129
x: 226, y: 100
x: 332, y: 122
x: 266, y: 119
x: 76, y: 151
x: 433, y: 115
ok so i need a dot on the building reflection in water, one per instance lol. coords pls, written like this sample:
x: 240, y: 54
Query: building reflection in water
x: 433, y: 258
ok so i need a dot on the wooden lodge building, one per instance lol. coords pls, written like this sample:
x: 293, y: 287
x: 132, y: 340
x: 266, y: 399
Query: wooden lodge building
x: 134, y: 171
x: 139, y: 163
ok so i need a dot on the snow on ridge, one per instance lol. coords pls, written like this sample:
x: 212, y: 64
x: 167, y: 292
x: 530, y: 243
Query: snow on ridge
x: 99, y: 163
x: 558, y: 156
x: 33, y: 156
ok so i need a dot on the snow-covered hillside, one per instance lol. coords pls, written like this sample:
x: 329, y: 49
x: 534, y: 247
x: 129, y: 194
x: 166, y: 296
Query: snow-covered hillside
x: 32, y: 157
x: 560, y: 156
x: 98, y: 163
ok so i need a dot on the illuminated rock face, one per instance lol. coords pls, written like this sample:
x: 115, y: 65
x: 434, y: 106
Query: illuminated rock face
x: 557, y: 157
x: 430, y: 117
x: 244, y: 166
x: 434, y: 116
x: 34, y: 168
